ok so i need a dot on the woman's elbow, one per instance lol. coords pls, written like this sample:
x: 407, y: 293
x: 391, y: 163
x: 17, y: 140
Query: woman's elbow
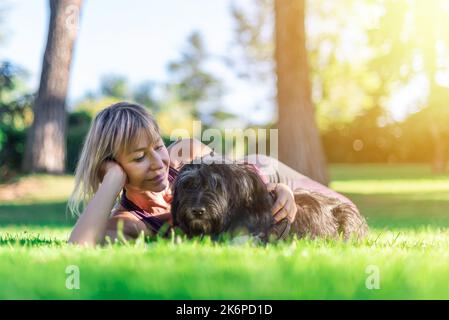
x: 80, y: 240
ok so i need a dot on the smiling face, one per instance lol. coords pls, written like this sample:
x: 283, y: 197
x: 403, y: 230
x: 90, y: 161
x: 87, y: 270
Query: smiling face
x: 146, y: 164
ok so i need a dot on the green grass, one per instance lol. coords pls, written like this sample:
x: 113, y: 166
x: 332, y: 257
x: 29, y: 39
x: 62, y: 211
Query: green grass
x: 407, y: 208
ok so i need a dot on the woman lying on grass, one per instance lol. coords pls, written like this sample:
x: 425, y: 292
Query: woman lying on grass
x: 124, y: 154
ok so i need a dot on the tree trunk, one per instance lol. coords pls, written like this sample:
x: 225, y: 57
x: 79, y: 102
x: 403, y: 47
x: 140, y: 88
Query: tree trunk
x: 45, y: 148
x: 299, y: 141
x: 439, y: 163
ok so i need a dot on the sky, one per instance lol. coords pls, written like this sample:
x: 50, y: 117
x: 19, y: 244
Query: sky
x: 134, y: 38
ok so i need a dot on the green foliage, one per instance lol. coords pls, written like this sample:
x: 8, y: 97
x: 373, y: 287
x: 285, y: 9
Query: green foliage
x: 253, y: 52
x: 77, y: 128
x: 357, y: 65
x: 143, y: 95
x: 93, y: 105
x: 175, y: 114
x: 115, y: 86
x: 365, y: 141
x: 191, y: 82
x: 15, y: 116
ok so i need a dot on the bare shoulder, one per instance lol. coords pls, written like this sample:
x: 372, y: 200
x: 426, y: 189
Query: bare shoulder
x: 185, y: 150
x: 132, y: 226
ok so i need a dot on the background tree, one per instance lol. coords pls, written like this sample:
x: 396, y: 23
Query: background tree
x: 358, y: 67
x: 15, y: 112
x: 255, y: 32
x: 114, y: 86
x: 253, y: 46
x: 338, y: 77
x: 299, y: 140
x: 45, y: 147
x: 418, y: 48
x: 190, y: 81
x: 144, y: 94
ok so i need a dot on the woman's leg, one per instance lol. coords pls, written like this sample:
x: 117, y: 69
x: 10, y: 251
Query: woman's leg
x: 278, y: 172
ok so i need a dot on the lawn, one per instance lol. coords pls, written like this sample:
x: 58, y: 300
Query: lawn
x: 406, y: 253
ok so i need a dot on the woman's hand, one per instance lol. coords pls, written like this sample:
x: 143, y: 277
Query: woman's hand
x: 284, y: 206
x: 91, y: 227
x: 112, y: 170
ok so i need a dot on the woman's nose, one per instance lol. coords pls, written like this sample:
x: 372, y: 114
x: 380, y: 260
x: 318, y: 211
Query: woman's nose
x: 156, y: 162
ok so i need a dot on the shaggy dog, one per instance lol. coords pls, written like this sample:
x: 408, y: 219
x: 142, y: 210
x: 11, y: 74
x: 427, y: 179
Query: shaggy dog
x: 214, y: 199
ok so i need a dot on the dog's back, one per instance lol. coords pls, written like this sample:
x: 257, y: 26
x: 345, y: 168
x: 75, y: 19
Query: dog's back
x: 320, y: 216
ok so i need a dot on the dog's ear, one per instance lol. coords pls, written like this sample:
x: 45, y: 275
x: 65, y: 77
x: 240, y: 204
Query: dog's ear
x: 258, y: 193
x: 256, y: 212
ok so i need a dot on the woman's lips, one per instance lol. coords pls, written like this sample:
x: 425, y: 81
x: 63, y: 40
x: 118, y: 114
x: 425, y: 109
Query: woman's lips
x: 157, y: 178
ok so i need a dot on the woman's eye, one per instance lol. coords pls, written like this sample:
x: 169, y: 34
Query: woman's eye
x: 159, y: 147
x: 139, y: 159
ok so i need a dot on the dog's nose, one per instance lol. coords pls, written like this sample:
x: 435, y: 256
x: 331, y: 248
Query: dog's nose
x: 198, y: 211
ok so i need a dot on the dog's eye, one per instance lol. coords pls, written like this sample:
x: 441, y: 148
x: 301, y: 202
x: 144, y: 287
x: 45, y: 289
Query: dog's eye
x: 191, y: 185
x: 215, y: 182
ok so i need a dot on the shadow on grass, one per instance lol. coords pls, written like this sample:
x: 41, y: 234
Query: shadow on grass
x: 36, y: 214
x: 381, y: 211
x: 402, y: 211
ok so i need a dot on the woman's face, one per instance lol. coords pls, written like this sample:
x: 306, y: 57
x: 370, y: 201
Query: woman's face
x: 146, y: 165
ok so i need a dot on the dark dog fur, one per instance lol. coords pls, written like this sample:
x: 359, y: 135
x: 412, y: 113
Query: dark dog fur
x: 212, y: 199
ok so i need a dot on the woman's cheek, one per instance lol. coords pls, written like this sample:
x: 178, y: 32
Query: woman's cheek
x: 135, y: 174
x: 142, y: 171
x: 165, y: 156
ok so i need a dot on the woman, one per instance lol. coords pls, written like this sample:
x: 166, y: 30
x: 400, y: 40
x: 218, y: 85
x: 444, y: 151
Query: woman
x: 123, y: 151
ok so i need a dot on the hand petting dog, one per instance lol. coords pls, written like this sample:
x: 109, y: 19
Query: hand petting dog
x: 284, y: 206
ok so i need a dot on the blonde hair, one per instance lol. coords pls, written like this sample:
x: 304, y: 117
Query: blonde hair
x: 113, y: 131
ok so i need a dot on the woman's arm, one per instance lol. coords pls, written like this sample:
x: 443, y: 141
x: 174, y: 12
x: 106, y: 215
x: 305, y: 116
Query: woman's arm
x: 90, y: 228
x: 125, y: 226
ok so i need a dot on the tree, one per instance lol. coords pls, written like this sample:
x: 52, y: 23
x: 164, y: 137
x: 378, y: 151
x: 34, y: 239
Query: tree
x: 15, y: 110
x: 252, y: 51
x: 114, y: 86
x: 255, y: 31
x: 45, y: 147
x: 418, y: 47
x: 333, y: 70
x: 144, y: 95
x: 299, y: 141
x: 190, y: 79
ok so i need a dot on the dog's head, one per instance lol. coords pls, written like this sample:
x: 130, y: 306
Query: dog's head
x: 200, y: 198
x: 210, y: 199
